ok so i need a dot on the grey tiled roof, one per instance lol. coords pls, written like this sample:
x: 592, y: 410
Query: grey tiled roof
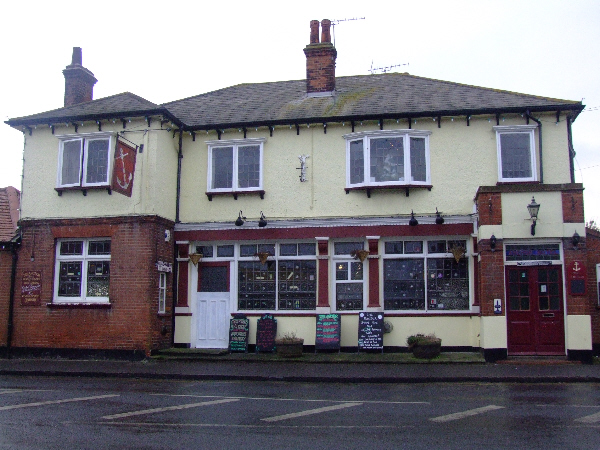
x: 393, y: 94
x: 121, y: 103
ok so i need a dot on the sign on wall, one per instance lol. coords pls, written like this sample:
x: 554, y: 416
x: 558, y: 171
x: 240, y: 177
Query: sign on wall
x: 124, y: 168
x: 31, y: 288
x: 576, y: 275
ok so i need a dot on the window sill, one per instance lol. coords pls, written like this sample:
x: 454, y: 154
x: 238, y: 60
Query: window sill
x: 83, y: 189
x: 503, y: 183
x: 79, y: 305
x: 398, y: 187
x: 235, y: 194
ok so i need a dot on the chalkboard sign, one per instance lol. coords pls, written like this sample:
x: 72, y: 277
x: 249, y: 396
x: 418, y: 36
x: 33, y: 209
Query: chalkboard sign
x: 328, y: 332
x: 238, y: 333
x: 370, y: 331
x: 266, y: 330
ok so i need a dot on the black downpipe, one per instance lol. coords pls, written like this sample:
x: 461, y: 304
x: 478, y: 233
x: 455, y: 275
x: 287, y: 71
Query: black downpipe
x: 11, y: 302
x: 175, y: 253
x: 540, y: 139
x: 571, y: 149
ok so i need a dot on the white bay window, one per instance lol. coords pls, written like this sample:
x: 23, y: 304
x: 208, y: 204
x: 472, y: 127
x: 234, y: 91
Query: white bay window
x: 387, y: 158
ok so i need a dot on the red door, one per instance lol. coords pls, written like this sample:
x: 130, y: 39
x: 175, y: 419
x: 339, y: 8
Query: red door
x: 534, y: 311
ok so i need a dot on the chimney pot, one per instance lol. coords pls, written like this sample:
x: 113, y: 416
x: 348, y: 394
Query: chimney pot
x: 325, y: 34
x: 76, y: 58
x: 314, y: 31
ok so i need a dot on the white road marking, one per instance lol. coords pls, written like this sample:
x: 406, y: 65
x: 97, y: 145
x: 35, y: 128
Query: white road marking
x: 294, y: 399
x: 55, y: 402
x: 167, y: 408
x: 462, y: 415
x: 310, y: 412
x: 16, y: 391
x: 225, y: 425
x: 593, y: 418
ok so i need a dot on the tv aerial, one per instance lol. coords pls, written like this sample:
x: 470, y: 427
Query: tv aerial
x: 334, y: 22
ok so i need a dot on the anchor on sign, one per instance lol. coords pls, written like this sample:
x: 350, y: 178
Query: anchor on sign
x: 126, y: 182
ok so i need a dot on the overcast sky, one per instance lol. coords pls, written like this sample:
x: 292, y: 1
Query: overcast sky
x: 165, y: 51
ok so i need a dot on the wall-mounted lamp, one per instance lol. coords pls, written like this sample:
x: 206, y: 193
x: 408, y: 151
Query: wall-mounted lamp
x: 575, y: 240
x: 438, y: 218
x: 493, y: 241
x: 262, y: 222
x: 240, y: 220
x: 413, y: 222
x: 533, y: 209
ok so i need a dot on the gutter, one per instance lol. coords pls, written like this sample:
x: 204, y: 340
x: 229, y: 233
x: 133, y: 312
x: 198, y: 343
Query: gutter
x: 529, y: 116
x: 175, y: 250
x: 571, y: 149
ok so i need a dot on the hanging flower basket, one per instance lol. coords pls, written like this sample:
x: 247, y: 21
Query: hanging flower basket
x: 196, y: 257
x: 262, y: 256
x: 359, y: 254
x: 458, y: 252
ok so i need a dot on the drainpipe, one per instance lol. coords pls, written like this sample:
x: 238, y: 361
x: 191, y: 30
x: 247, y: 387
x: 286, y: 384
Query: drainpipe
x: 571, y: 150
x: 540, y: 139
x: 11, y: 301
x: 175, y: 252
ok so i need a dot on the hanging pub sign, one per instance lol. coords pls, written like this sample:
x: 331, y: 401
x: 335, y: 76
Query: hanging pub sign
x: 124, y: 168
x: 576, y: 277
x: 31, y: 288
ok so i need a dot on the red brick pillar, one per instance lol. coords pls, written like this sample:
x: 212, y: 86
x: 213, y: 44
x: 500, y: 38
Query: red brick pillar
x: 182, y: 272
x: 323, y: 257
x: 373, y: 271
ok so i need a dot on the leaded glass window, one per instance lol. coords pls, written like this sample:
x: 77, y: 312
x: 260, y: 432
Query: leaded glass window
x: 256, y: 285
x: 235, y: 165
x: 84, y: 161
x: 516, y: 153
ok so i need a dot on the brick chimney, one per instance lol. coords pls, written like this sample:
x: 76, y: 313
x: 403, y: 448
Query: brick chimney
x: 79, y: 82
x: 320, y: 59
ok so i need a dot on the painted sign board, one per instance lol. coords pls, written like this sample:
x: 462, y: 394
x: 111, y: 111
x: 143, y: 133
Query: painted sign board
x: 31, y: 288
x: 576, y: 276
x: 266, y: 330
x: 328, y: 332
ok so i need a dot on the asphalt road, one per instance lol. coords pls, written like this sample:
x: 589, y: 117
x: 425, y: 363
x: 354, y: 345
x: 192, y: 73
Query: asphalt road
x: 80, y: 413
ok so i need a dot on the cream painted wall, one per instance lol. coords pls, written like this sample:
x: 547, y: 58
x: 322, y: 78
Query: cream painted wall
x: 494, y: 332
x: 579, y: 332
x: 154, y: 179
x: 461, y: 159
x: 516, y: 221
x: 183, y: 330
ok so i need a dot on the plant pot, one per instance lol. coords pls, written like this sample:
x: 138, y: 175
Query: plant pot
x: 427, y: 350
x: 290, y: 350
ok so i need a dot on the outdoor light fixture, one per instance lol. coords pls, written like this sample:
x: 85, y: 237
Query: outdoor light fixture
x: 493, y: 243
x: 240, y: 220
x: 413, y: 222
x: 438, y: 218
x: 533, y: 209
x: 575, y: 239
x: 262, y: 221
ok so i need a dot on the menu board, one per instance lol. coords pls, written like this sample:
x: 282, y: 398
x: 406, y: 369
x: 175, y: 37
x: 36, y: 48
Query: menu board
x: 31, y: 288
x: 238, y: 333
x: 266, y: 330
x: 328, y: 332
x: 370, y: 331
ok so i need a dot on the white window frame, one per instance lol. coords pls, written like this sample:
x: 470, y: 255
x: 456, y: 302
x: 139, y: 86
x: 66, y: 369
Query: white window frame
x: 162, y: 292
x: 235, y: 143
x: 84, y: 258
x: 84, y: 139
x: 366, y: 137
x: 335, y: 260
x: 516, y: 129
x: 598, y: 282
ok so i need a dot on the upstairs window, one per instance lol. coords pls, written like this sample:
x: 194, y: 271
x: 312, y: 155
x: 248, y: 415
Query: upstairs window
x: 84, y: 160
x: 387, y: 158
x: 235, y: 165
x: 82, y: 271
x: 516, y: 153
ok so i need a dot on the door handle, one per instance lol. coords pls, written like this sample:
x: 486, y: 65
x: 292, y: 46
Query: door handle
x: 548, y: 315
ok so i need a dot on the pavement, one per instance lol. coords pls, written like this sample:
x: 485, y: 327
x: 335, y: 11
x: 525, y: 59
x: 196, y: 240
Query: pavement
x: 338, y: 368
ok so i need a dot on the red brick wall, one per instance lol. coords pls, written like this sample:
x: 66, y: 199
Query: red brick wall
x: 5, y: 272
x: 491, y: 276
x: 79, y: 86
x: 132, y: 321
x: 576, y: 304
x: 489, y: 207
x: 593, y: 258
x: 320, y: 68
x: 572, y: 206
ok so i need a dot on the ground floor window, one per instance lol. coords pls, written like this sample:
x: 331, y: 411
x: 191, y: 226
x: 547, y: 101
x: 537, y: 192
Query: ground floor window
x: 426, y: 276
x: 162, y: 292
x: 82, y: 271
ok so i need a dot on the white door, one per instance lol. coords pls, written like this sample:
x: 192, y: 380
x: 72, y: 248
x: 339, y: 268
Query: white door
x: 212, y: 307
